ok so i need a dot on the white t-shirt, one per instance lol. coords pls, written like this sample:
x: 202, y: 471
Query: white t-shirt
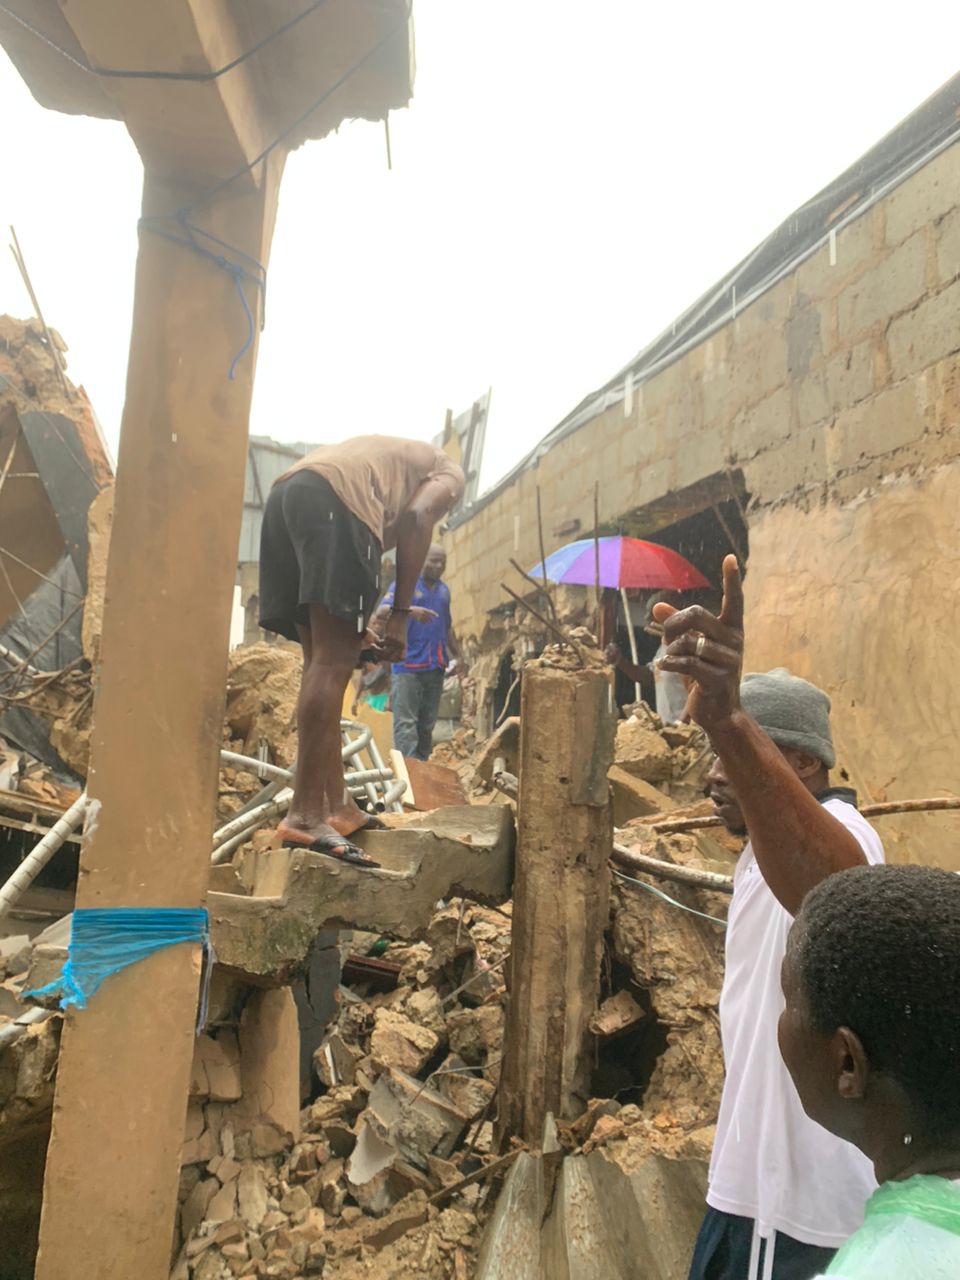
x: 770, y: 1161
x: 671, y: 692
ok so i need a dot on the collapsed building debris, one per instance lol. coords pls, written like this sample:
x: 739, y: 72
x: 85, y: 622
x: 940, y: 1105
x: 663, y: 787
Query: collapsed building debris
x: 53, y: 464
x: 405, y: 1081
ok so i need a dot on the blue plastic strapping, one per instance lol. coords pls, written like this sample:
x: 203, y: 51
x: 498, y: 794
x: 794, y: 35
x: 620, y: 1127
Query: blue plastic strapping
x: 191, y: 239
x: 107, y: 939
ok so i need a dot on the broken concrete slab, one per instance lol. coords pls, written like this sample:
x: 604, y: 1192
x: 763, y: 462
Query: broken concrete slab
x: 466, y: 1089
x: 634, y: 797
x: 641, y: 750
x: 252, y: 1194
x: 413, y: 1118
x: 618, y: 1013
x: 466, y: 851
x: 335, y: 1060
x: 400, y: 1043
x: 597, y: 1222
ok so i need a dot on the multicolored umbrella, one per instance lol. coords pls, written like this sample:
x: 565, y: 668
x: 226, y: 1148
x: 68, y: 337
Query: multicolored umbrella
x: 624, y: 562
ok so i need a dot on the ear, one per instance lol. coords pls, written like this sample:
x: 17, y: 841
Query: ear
x: 850, y: 1067
x: 804, y: 764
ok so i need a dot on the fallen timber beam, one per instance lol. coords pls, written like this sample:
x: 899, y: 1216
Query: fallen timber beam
x: 670, y: 871
x: 935, y: 804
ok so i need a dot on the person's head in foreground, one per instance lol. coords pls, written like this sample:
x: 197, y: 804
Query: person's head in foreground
x: 870, y: 1034
x: 796, y: 715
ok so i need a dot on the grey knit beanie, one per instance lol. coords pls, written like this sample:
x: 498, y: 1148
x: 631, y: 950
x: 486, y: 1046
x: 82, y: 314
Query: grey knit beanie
x: 794, y: 712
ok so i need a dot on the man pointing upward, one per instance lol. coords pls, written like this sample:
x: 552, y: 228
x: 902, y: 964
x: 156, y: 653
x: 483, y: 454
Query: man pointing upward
x: 783, y: 1193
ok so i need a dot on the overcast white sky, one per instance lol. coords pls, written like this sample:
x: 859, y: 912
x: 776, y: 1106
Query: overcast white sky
x: 568, y: 178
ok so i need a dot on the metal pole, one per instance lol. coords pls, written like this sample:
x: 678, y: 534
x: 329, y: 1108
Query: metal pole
x: 632, y: 634
x: 41, y: 854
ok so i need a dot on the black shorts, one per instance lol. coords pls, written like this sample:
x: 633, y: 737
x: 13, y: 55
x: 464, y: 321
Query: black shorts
x: 313, y: 550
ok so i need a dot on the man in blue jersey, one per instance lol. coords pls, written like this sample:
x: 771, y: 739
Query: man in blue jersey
x: 432, y: 648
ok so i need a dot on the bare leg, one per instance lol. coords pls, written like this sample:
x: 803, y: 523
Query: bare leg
x: 321, y: 805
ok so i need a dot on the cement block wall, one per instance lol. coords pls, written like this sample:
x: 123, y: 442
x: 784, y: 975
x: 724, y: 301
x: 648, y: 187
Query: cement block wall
x: 838, y: 395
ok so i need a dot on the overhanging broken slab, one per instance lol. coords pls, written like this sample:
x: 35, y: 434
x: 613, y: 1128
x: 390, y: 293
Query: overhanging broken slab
x: 466, y: 851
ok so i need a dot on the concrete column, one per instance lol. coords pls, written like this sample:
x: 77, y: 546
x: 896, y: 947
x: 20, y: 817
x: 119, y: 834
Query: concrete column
x: 561, y: 898
x: 113, y: 1162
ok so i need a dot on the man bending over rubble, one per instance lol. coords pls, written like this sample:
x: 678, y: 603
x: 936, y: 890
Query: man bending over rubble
x: 326, y: 524
x: 783, y: 1193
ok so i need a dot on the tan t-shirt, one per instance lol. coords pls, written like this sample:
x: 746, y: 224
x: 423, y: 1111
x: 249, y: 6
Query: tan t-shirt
x: 376, y: 477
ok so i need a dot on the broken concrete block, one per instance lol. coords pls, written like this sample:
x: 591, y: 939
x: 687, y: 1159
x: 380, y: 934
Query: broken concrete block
x: 465, y: 850
x: 262, y: 684
x: 229, y: 1232
x: 209, y: 1266
x: 401, y: 1043
x: 223, y: 1206
x: 681, y: 735
x: 413, y: 1118
x: 224, y: 1168
x: 10, y: 1006
x: 641, y: 750
x: 268, y: 1140
x: 476, y: 1034
x: 424, y: 1008
x: 448, y: 940
x: 196, y: 1205
x: 466, y: 1089
x: 369, y: 1173
x: 295, y: 1201
x: 312, y: 1228
x: 335, y: 1060
x: 333, y: 1195
x: 634, y: 797
x: 252, y: 1195
x: 617, y: 1013
x: 220, y: 1056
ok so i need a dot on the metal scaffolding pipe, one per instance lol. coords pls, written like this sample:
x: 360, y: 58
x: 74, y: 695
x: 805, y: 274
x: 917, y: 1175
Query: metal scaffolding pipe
x: 261, y: 766
x: 11, y: 1031
x: 391, y: 794
x: 41, y: 854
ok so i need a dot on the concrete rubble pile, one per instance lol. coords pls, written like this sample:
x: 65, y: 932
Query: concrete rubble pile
x: 405, y: 1080
x: 356, y: 1171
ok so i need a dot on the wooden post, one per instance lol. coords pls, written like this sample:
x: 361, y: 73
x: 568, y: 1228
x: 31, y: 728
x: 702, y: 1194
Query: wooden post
x: 561, y: 899
x: 113, y: 1163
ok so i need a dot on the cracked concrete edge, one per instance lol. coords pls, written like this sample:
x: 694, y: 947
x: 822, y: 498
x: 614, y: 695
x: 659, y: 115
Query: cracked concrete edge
x: 465, y: 851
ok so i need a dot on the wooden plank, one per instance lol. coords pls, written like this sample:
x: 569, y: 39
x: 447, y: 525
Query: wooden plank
x: 112, y: 1172
x: 433, y: 786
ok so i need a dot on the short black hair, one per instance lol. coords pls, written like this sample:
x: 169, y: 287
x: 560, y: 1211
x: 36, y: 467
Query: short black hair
x: 877, y: 949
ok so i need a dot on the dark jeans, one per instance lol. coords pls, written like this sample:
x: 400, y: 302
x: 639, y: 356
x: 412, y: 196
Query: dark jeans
x: 722, y: 1252
x: 415, y: 701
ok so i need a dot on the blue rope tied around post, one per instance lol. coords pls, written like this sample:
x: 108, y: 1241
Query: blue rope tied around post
x: 105, y: 940
x: 190, y: 239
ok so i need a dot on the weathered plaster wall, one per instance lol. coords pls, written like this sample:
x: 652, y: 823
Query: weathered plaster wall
x: 841, y: 374
x: 864, y: 599
x: 838, y: 395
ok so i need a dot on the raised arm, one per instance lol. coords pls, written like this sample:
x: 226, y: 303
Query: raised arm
x: 796, y: 841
